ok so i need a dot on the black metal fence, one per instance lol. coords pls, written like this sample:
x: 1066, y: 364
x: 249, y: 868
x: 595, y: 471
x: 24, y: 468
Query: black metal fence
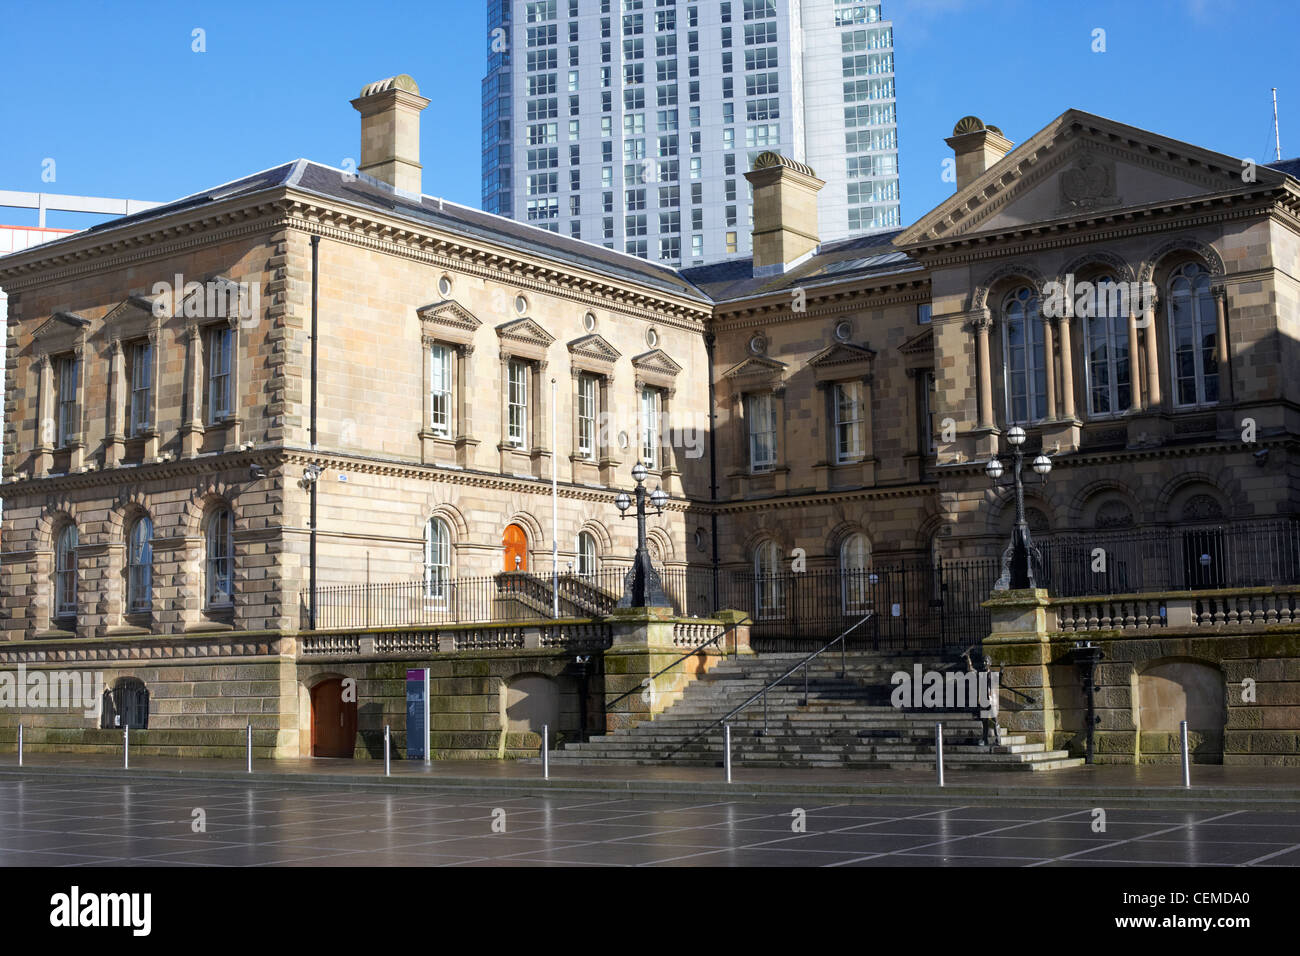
x: 914, y: 604
x: 1256, y: 553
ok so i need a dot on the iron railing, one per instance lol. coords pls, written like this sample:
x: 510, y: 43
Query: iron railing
x: 1251, y: 553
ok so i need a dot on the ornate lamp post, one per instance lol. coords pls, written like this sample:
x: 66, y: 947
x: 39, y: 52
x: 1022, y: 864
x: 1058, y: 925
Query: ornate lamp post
x: 641, y: 585
x: 1020, y: 555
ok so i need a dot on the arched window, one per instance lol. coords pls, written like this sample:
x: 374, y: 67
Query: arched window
x: 1024, y: 357
x: 139, y: 566
x: 1193, y: 337
x: 769, y: 589
x: 221, y: 558
x: 855, y: 563
x: 586, y: 553
x: 126, y: 704
x: 65, y: 573
x: 437, y: 559
x: 1106, y: 334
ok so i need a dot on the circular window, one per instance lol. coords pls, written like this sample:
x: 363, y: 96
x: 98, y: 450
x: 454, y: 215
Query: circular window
x: 699, y: 539
x: 521, y: 304
x: 843, y: 331
x: 589, y: 322
x: 622, y: 440
x: 758, y: 344
x: 651, y: 337
x: 444, y: 286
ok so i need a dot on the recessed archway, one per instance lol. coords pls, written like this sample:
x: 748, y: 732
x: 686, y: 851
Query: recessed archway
x: 333, y: 719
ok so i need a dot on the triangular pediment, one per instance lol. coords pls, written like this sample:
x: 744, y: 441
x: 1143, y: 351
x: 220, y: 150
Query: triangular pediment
x: 756, y: 366
x: 656, y: 361
x: 448, y: 314
x: 840, y: 354
x: 524, y: 331
x: 60, y: 323
x: 920, y: 344
x: 1077, y: 167
x: 134, y: 306
x: 595, y: 348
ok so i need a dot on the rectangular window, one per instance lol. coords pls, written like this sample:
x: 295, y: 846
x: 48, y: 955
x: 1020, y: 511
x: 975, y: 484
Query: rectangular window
x: 141, y: 388
x: 923, y: 313
x: 650, y: 428
x: 760, y: 416
x: 587, y: 416
x: 220, y: 340
x: 517, y: 398
x: 849, y: 420
x: 69, y: 369
x: 440, y: 390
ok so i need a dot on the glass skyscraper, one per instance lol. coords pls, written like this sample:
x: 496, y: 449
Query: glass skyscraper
x: 631, y: 123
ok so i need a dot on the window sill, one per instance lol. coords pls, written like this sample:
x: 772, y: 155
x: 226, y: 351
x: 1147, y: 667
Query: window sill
x: 55, y: 634
x: 209, y: 626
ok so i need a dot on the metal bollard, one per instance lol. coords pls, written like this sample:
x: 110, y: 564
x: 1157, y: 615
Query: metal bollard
x: 388, y: 756
x: 726, y: 754
x: 1187, y: 763
x: 938, y: 751
x: 20, y: 745
x: 126, y: 747
x: 249, y: 739
x: 546, y: 752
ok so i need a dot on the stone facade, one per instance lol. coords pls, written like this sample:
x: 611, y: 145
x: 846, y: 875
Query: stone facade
x: 503, y: 322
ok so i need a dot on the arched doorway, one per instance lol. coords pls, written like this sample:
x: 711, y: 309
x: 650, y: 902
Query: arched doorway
x: 333, y: 720
x: 515, y: 543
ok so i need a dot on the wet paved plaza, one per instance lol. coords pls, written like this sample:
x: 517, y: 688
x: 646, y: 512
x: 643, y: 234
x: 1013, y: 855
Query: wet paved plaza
x: 153, y: 823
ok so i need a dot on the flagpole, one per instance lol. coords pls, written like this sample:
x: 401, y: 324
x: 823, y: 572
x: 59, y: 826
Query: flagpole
x: 555, y: 514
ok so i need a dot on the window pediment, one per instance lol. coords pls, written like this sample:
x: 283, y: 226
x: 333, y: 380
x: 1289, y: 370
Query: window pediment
x: 756, y: 370
x: 61, y: 332
x: 524, y: 338
x: 594, y: 353
x: 448, y: 321
x: 842, y: 360
x: 655, y: 368
x: 132, y: 318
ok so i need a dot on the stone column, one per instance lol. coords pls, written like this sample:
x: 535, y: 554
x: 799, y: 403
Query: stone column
x: 1049, y: 349
x: 1224, y: 353
x: 152, y: 438
x: 463, y: 414
x: 1067, y: 371
x: 1153, y: 361
x: 985, y: 385
x: 1134, y: 366
x: 119, y: 406
x: 503, y: 397
x: 192, y: 429
x: 44, y: 416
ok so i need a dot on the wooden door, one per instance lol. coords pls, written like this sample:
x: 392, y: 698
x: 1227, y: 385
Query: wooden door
x: 333, y: 720
x: 516, y: 546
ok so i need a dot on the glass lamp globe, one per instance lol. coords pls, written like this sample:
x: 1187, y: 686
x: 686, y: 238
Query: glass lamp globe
x: 659, y: 497
x: 1205, y: 560
x: 1042, y: 465
x: 873, y: 578
x: 639, y: 472
x: 623, y: 502
x: 993, y: 469
x: 1016, y: 435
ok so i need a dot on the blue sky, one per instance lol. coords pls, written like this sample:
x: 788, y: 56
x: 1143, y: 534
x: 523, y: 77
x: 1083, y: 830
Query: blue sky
x: 113, y: 93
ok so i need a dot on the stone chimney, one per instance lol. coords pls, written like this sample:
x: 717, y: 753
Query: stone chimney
x: 977, y: 147
x: 390, y: 131
x: 785, y: 212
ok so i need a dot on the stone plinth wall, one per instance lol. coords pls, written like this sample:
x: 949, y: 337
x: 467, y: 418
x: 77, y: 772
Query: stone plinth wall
x: 1238, y: 688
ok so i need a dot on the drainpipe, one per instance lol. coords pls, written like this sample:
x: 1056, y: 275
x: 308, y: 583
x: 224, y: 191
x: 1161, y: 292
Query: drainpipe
x: 311, y: 559
x: 709, y: 340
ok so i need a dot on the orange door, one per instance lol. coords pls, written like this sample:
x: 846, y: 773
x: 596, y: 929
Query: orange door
x: 333, y: 721
x: 516, y: 546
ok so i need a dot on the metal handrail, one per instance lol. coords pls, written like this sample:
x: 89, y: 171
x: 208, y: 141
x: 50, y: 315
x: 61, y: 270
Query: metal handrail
x: 763, y: 693
x: 656, y: 676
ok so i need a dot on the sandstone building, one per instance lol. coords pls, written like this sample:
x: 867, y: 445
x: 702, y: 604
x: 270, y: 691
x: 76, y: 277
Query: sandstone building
x: 183, y: 457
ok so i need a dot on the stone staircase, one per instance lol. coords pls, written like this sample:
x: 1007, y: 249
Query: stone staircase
x: 845, y: 722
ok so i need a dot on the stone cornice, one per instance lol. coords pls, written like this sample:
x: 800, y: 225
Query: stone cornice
x: 211, y: 647
x: 831, y: 300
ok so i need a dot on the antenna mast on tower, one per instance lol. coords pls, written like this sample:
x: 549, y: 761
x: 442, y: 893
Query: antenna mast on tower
x: 1277, y: 139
